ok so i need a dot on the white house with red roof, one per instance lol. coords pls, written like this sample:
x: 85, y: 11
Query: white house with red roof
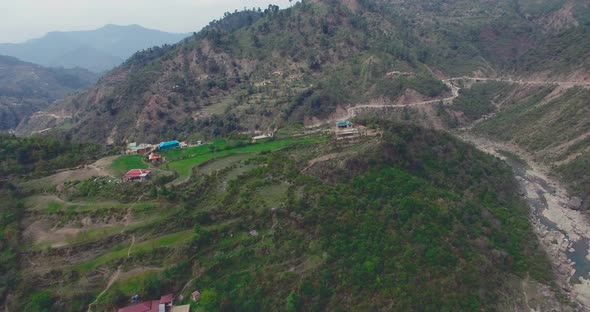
x: 162, y: 305
x: 137, y: 175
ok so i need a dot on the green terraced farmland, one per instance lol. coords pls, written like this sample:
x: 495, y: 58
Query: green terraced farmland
x: 127, y: 162
x: 184, y: 167
x: 123, y: 251
x: 182, y: 153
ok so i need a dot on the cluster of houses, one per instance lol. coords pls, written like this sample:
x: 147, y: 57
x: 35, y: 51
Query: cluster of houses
x: 164, y: 304
x: 145, y: 148
x: 151, y: 150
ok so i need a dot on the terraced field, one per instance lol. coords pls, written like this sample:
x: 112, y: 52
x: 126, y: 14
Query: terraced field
x: 182, y: 161
x: 112, y: 242
x: 184, y: 166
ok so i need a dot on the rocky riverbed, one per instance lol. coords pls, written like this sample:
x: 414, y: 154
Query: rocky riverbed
x: 563, y: 231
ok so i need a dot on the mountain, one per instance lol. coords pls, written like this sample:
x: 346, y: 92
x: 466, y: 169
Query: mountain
x: 309, y: 62
x: 26, y: 88
x: 385, y: 216
x: 97, y: 50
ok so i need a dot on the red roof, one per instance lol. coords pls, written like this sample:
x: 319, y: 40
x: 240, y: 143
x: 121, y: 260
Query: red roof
x: 136, y: 173
x: 166, y: 299
x: 154, y: 156
x: 140, y: 307
x: 155, y: 305
x: 149, y: 306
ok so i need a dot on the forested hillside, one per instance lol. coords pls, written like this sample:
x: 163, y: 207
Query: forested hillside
x: 411, y: 221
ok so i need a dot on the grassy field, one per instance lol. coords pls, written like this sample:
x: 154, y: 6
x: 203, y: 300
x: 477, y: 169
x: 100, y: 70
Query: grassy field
x: 53, y: 205
x: 183, y: 160
x: 204, y: 153
x: 127, y: 162
x: 182, y: 153
x: 222, y: 163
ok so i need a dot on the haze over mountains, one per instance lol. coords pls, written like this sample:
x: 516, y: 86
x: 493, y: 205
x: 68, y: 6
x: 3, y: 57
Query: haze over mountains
x: 96, y: 50
x: 26, y: 88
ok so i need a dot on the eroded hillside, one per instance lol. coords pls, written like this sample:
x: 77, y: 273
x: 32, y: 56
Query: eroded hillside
x: 257, y: 71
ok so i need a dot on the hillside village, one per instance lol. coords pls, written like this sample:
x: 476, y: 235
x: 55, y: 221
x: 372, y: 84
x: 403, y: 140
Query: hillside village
x: 357, y: 155
x: 154, y: 154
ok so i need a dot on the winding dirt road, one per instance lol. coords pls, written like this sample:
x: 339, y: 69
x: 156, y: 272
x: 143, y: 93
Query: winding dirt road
x: 353, y: 111
x: 563, y: 232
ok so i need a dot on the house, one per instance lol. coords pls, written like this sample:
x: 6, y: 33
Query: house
x: 164, y: 146
x: 155, y: 158
x: 262, y: 137
x: 196, y: 295
x: 167, y: 299
x: 165, y: 304
x: 344, y: 124
x: 148, y: 306
x: 137, y: 175
x: 134, y: 148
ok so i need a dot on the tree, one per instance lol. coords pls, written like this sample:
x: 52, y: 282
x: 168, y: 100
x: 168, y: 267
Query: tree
x: 209, y: 298
x: 293, y: 302
x: 39, y: 302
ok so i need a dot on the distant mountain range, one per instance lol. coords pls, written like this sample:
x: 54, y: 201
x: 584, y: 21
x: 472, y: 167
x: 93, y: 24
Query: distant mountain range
x: 26, y: 88
x: 96, y: 50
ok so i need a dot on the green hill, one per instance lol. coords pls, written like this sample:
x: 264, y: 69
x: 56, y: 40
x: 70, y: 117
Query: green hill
x: 414, y: 221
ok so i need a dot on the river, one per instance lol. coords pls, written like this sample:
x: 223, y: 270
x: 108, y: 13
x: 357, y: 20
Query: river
x: 563, y: 232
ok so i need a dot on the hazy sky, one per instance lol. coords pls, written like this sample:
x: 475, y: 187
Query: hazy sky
x: 26, y: 19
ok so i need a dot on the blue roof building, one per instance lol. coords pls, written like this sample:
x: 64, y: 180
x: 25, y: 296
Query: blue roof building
x: 168, y: 145
x: 344, y: 124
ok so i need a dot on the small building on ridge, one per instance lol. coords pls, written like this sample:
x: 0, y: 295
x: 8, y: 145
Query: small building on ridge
x: 164, y: 146
x: 344, y: 124
x: 134, y: 148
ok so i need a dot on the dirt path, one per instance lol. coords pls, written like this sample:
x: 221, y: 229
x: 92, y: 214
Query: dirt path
x: 353, y: 111
x: 525, y: 81
x: 117, y: 273
x: 563, y: 232
x: 131, y: 246
x: 112, y: 280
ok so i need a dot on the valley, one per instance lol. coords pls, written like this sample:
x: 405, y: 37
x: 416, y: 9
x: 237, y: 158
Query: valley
x: 360, y: 155
x: 563, y: 231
